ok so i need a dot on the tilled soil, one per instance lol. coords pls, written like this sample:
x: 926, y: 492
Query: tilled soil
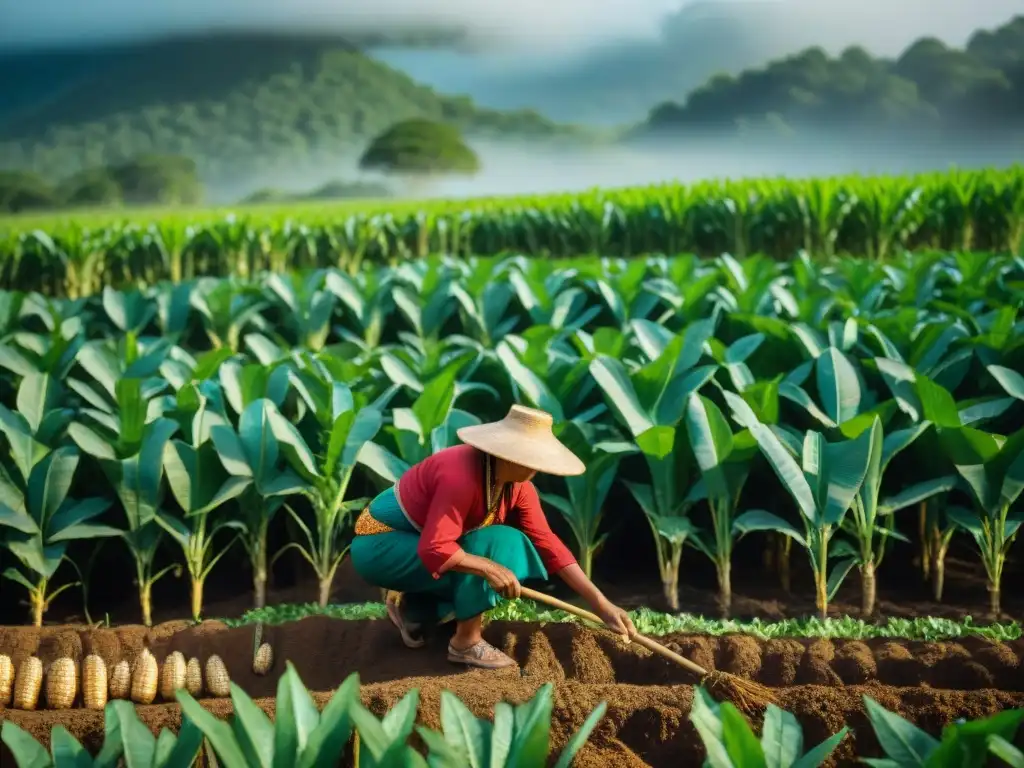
x: 822, y: 682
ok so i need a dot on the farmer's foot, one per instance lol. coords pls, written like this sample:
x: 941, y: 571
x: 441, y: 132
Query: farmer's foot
x: 478, y: 654
x: 412, y: 633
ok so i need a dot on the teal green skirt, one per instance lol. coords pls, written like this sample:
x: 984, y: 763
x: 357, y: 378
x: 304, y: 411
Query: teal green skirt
x: 390, y: 561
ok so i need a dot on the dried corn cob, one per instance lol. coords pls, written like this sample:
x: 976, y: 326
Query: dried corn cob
x: 144, y: 678
x: 194, y: 677
x: 6, y: 680
x: 28, y: 684
x: 172, y: 677
x: 94, y: 682
x: 264, y: 659
x: 120, y: 680
x: 60, y: 684
x: 217, y: 681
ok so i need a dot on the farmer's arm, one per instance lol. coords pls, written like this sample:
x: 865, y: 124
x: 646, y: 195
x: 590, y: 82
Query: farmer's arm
x: 558, y: 559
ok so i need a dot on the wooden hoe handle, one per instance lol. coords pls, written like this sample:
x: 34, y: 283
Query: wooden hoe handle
x: 640, y: 640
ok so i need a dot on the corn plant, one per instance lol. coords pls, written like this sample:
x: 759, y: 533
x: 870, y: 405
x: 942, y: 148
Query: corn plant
x: 519, y: 735
x: 201, y: 487
x: 307, y: 308
x: 430, y: 425
x: 339, y: 429
x: 724, y: 461
x: 252, y: 454
x: 300, y: 735
x: 991, y: 467
x: 39, y: 520
x: 130, y: 452
x: 582, y: 505
x: 549, y: 374
x: 969, y: 744
x: 649, y: 402
x: 824, y: 485
x: 227, y: 310
x: 865, y: 523
x: 730, y: 743
x: 126, y: 739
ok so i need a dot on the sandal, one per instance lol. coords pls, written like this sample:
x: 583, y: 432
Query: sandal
x: 482, y: 655
x: 411, y: 633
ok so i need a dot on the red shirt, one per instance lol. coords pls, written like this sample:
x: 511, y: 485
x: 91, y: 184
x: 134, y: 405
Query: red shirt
x: 443, y: 497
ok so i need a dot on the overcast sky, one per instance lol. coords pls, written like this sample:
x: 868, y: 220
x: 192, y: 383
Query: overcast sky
x: 572, y: 24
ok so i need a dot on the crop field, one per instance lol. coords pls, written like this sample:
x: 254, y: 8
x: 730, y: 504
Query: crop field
x: 78, y: 254
x: 841, y: 428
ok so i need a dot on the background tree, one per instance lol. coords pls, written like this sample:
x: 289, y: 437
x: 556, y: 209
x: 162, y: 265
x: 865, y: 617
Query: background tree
x: 420, y: 148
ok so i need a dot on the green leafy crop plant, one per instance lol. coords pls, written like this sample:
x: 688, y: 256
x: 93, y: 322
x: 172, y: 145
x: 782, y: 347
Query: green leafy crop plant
x: 875, y: 217
x: 263, y: 412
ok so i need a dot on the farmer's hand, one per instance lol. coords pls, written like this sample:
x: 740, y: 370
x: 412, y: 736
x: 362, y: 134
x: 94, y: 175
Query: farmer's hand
x: 503, y: 581
x: 617, y: 620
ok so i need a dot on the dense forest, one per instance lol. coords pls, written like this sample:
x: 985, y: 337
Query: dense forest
x: 228, y: 102
x: 929, y: 86
x: 233, y: 105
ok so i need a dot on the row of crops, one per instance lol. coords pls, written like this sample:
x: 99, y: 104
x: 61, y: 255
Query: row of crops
x: 519, y: 736
x: 872, y: 217
x: 196, y: 418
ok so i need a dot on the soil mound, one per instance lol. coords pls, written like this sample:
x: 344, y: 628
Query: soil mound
x: 822, y: 682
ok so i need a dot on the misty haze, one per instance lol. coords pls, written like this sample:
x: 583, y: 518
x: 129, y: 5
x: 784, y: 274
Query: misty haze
x: 271, y: 106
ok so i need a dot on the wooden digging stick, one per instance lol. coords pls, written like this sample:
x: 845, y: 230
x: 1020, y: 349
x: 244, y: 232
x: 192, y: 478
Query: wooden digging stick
x: 748, y: 695
x: 640, y: 640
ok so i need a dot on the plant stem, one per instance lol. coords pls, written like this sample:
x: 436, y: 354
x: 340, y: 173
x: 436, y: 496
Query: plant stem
x: 868, y: 588
x: 197, y: 598
x: 37, y: 600
x: 259, y: 587
x: 725, y: 587
x: 923, y: 525
x: 586, y: 560
x: 670, y: 577
x: 783, y: 544
x: 821, y: 576
x: 938, y: 572
x: 994, y: 607
x: 325, y: 590
x: 145, y: 601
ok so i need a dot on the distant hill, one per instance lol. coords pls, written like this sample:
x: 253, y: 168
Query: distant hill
x: 618, y: 82
x: 931, y: 87
x: 230, y: 102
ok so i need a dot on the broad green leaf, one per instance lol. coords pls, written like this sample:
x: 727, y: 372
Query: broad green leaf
x: 901, y: 741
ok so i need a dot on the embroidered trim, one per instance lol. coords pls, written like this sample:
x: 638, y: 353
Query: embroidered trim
x: 367, y: 525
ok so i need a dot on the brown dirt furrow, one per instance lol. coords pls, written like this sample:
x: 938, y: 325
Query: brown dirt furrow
x: 326, y: 650
x: 645, y: 725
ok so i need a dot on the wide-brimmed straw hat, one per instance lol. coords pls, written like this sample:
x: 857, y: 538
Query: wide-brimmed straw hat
x: 524, y: 437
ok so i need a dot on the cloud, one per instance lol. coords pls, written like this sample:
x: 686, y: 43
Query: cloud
x: 565, y: 22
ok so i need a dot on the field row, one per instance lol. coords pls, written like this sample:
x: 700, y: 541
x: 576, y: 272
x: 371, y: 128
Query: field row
x: 679, y: 383
x: 636, y: 709
x: 870, y: 217
x: 550, y: 651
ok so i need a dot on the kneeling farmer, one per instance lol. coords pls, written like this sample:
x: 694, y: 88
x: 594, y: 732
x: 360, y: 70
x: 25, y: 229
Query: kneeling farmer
x: 465, y: 526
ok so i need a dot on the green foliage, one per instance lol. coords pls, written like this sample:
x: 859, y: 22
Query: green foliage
x: 928, y: 86
x: 876, y: 217
x: 963, y: 743
x: 125, y: 740
x: 144, y: 180
x: 655, y: 624
x: 420, y: 148
x: 237, y: 104
x: 304, y: 736
x: 206, y: 407
x: 730, y: 742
